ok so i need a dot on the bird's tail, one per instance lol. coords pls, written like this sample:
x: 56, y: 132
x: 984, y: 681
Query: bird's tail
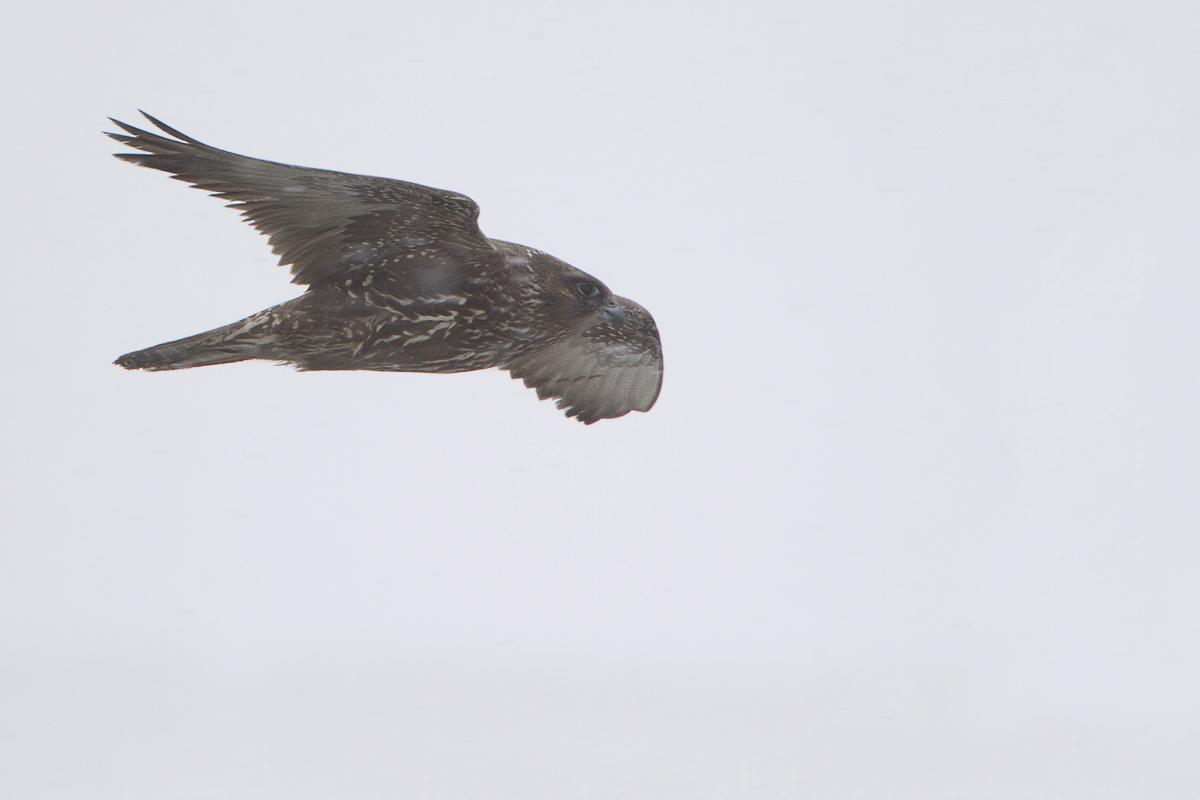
x: 219, y: 346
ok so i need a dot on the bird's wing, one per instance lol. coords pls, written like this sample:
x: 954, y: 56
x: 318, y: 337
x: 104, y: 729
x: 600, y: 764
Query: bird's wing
x: 604, y: 371
x: 322, y: 223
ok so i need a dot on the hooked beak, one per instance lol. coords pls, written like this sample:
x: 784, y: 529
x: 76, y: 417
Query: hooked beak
x: 613, y: 314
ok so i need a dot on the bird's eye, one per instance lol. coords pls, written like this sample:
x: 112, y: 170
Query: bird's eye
x: 587, y: 289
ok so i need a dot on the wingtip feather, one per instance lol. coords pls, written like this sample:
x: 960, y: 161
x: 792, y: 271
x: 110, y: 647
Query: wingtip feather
x: 165, y: 128
x: 130, y: 129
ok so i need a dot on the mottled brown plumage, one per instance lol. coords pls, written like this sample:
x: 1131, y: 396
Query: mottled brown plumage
x: 400, y: 278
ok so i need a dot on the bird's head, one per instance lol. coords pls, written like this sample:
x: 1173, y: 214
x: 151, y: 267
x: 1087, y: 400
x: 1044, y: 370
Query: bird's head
x: 574, y: 296
x: 565, y: 297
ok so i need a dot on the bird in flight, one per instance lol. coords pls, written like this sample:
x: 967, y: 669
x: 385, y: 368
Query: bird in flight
x: 401, y: 279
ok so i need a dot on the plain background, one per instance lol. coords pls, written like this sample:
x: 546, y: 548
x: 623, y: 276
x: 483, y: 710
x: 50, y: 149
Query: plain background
x: 915, y: 515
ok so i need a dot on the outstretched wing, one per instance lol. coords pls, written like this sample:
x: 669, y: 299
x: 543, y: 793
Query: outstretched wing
x: 602, y: 372
x: 322, y: 223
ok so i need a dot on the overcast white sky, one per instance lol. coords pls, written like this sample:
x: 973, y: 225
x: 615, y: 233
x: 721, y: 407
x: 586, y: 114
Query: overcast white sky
x: 915, y: 516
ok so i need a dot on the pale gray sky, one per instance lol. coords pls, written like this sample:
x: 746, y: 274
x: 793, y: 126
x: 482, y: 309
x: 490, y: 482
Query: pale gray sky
x: 915, y: 516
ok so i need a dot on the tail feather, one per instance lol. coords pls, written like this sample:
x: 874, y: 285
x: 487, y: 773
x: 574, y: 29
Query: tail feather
x: 201, y: 350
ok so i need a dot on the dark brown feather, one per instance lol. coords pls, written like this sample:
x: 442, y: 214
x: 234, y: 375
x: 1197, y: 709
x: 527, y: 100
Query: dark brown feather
x: 322, y: 223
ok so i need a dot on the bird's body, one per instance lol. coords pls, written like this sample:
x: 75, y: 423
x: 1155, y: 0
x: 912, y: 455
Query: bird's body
x: 401, y: 279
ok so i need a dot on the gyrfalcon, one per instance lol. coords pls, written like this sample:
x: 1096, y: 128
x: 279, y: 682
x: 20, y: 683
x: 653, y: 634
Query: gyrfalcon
x: 400, y: 278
